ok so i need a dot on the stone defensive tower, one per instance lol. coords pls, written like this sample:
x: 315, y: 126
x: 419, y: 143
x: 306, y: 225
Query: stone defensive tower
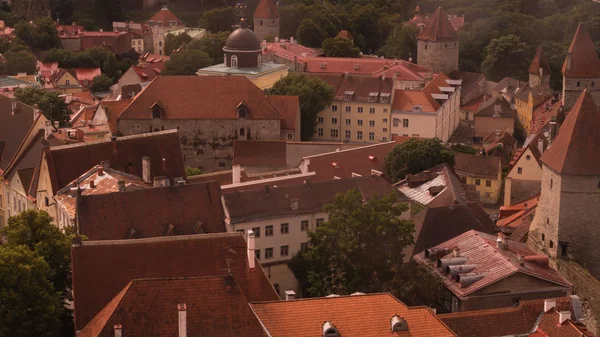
x: 539, y: 71
x: 266, y: 19
x: 437, y: 44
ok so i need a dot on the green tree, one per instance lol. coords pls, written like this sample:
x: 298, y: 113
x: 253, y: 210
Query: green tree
x: 53, y: 107
x: 506, y: 56
x: 340, y: 47
x: 310, y: 34
x: 41, y: 35
x: 212, y: 44
x: 101, y: 83
x: 62, y: 10
x: 20, y: 62
x: 66, y: 59
x: 459, y: 148
x: 360, y: 249
x: 401, y: 43
x: 31, y: 307
x: 192, y: 171
x: 187, y: 62
x: 313, y: 93
x: 218, y: 20
x: 172, y: 42
x: 415, y: 156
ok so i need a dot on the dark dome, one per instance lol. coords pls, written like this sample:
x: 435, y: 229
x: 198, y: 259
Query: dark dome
x: 242, y: 39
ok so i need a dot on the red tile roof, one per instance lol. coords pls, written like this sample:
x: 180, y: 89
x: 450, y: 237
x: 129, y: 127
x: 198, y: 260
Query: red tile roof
x: 163, y: 18
x: 86, y: 74
x: 361, y: 87
x: 69, y: 30
x: 477, y: 166
x: 575, y: 149
x: 113, y: 110
x: 101, y: 269
x: 491, y: 264
x: 539, y: 61
x: 584, y: 59
x: 65, y: 163
x: 289, y: 50
x: 342, y: 164
x: 345, y: 35
x: 201, y: 97
x: 406, y: 100
x: 266, y: 9
x: 354, y: 316
x: 149, y: 71
x: 266, y: 153
x: 289, y: 108
x: 213, y: 308
x: 117, y: 42
x: 438, y: 28
x: 400, y: 69
x: 550, y: 326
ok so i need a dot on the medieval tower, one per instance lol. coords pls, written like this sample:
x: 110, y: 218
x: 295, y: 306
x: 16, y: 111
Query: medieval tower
x: 437, y: 44
x: 581, y: 69
x: 566, y: 221
x: 539, y: 71
x: 266, y: 19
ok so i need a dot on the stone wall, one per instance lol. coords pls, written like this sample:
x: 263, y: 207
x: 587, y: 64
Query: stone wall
x: 266, y: 27
x: 571, y: 91
x: 207, y: 144
x: 587, y: 288
x: 438, y: 56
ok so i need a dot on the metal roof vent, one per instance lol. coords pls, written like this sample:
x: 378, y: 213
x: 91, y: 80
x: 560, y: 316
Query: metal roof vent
x: 398, y: 323
x: 329, y: 330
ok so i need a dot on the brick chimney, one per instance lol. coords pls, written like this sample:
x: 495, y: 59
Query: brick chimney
x: 563, y: 316
x: 251, y: 255
x: 549, y: 304
x: 146, y: 176
x: 455, y: 252
x: 182, y: 310
x: 236, y: 174
x: 118, y: 330
x: 105, y: 164
x: 290, y: 295
x: 501, y: 242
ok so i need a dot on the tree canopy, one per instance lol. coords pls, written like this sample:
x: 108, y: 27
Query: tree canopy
x: 313, y: 93
x: 101, y: 83
x: 39, y: 35
x: 218, y: 19
x: 172, y: 42
x: 212, y: 44
x: 339, y: 47
x: 187, y: 62
x: 95, y: 57
x: 53, y: 107
x: 21, y: 61
x: 401, y: 43
x: 506, y: 56
x: 360, y: 249
x: 416, y: 155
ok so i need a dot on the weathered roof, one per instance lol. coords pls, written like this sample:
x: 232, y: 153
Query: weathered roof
x: 550, y: 326
x: 163, y: 18
x: 407, y: 100
x: 495, y: 107
x: 366, y: 315
x: 438, y: 28
x: 265, y: 153
x: 213, y: 308
x: 266, y: 9
x: 201, y: 97
x: 362, y: 87
x: 491, y: 264
x: 13, y: 127
x: 289, y: 108
x: 113, y: 110
x: 470, y: 81
x: 300, y: 198
x: 575, y: 149
x: 402, y: 70
x: 539, y: 62
x: 344, y: 34
x: 101, y: 269
x: 477, y: 166
x: 65, y: 163
x: 584, y: 59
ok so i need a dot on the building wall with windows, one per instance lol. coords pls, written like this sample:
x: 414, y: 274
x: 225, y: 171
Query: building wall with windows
x: 16, y: 198
x: 489, y: 189
x: 573, y: 87
x: 524, y: 178
x: 413, y: 124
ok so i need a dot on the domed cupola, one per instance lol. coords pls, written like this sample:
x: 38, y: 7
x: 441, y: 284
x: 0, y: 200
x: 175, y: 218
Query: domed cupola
x: 243, y: 49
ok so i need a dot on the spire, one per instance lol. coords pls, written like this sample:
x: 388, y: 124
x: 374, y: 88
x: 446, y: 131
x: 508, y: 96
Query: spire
x: 575, y: 149
x: 266, y: 9
x: 418, y: 10
x: 539, y: 61
x: 582, y: 60
x: 438, y: 28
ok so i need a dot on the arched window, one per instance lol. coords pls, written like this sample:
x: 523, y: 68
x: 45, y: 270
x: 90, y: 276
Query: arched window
x: 234, y: 62
x: 261, y: 22
x: 259, y: 60
x: 242, y: 132
x: 225, y: 59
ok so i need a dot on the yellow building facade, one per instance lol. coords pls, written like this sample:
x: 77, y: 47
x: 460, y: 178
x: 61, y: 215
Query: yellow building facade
x: 483, y: 172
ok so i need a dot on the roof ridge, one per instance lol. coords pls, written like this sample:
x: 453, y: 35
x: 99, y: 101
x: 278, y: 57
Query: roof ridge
x: 346, y: 150
x: 328, y: 298
x: 162, y: 239
x: 118, y: 139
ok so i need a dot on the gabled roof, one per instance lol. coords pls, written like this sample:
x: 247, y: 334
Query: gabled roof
x: 584, y: 59
x: 201, y: 97
x: 491, y: 264
x: 266, y: 9
x: 13, y: 127
x: 113, y: 110
x: 519, y: 154
x: 65, y: 163
x: 264, y: 153
x: 549, y: 326
x: 289, y: 108
x: 539, y: 62
x: 575, y: 149
x: 163, y: 17
x: 367, y: 315
x: 477, y: 166
x: 27, y: 164
x: 101, y: 269
x: 152, y: 212
x: 344, y: 34
x: 402, y: 70
x: 406, y: 100
x: 489, y: 108
x: 149, y: 71
x: 438, y: 28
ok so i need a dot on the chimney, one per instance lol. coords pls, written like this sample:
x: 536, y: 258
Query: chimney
x: 251, y: 255
x: 121, y: 184
x: 92, y: 184
x: 569, y: 55
x: 563, y: 316
x: 455, y: 252
x: 521, y: 259
x: 290, y: 295
x: 13, y: 106
x: 113, y: 142
x: 541, y: 73
x: 161, y: 182
x: 549, y: 304
x: 105, y: 164
x: 292, y: 39
x: 56, y: 124
x: 118, y: 330
x: 182, y: 309
x: 146, y: 176
x: 501, y: 241
x: 236, y: 172
x: 100, y: 171
x: 540, y: 145
x: 267, y: 189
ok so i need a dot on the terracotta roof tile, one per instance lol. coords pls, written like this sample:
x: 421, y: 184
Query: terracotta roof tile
x: 488, y: 108
x: 550, y: 326
x: 354, y: 316
x: 163, y: 18
x: 539, y: 62
x: 113, y: 110
x: 266, y: 9
x: 477, y: 166
x: 65, y: 163
x: 102, y: 268
x: 149, y: 71
x: 401, y: 69
x: 289, y: 108
x: 438, y: 28
x: 405, y: 100
x: 201, y: 97
x: 260, y: 153
x: 345, y: 35
x: 575, y: 149
x: 117, y: 42
x: 584, y: 59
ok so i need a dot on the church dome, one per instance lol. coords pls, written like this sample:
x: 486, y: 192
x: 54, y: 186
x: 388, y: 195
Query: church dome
x: 242, y: 39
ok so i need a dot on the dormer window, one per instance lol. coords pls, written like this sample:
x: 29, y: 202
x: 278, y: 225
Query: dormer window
x: 157, y: 110
x: 234, y: 61
x: 242, y: 110
x: 329, y: 330
x: 348, y: 94
x: 398, y: 323
x: 384, y: 97
x: 373, y: 97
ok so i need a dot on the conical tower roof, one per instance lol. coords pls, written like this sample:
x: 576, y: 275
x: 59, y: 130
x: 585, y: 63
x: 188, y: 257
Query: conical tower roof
x: 539, y: 61
x: 576, y: 148
x: 266, y: 9
x: 438, y: 28
x: 584, y: 60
